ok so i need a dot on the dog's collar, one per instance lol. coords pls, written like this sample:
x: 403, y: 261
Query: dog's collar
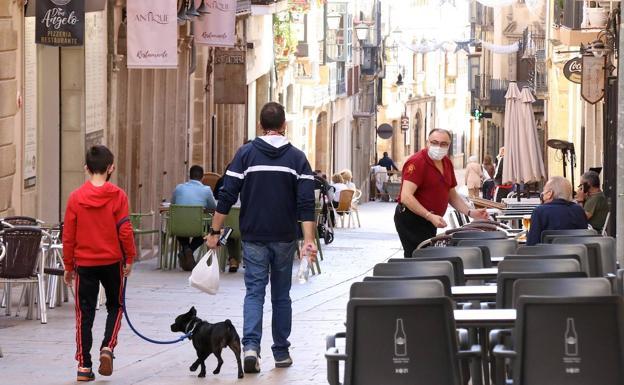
x: 191, y: 325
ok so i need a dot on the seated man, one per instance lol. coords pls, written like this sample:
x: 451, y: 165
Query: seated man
x: 192, y: 193
x: 558, y: 211
x: 593, y: 200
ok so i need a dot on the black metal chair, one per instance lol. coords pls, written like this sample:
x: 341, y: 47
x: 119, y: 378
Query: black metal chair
x: 588, y: 260
x: 505, y: 284
x: 457, y: 262
x: 443, y: 279
x: 422, y: 269
x: 539, y: 266
x: 414, y: 340
x: 491, y: 248
x: 424, y: 288
x: 548, y: 235
x: 566, y: 340
x: 606, y: 259
x: 563, y: 287
x: 472, y: 257
x: 456, y: 237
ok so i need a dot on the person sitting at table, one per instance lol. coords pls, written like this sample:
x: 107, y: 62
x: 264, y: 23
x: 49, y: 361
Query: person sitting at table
x: 347, y: 177
x: 593, y: 200
x: 558, y: 212
x: 192, y: 193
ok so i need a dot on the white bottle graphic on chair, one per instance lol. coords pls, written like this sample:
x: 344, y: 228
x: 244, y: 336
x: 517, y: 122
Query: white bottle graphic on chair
x: 571, y: 339
x: 400, y: 339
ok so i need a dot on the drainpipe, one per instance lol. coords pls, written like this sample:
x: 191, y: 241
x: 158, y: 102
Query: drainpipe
x: 620, y: 163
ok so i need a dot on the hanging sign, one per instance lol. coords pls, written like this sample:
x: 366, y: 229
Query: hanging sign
x: 230, y: 80
x: 60, y: 23
x: 593, y: 78
x: 152, y: 34
x: 217, y: 28
x: 572, y: 70
x: 404, y: 123
x: 384, y: 131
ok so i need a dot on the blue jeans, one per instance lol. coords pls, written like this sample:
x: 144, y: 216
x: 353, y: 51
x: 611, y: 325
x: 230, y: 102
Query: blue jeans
x: 259, y: 259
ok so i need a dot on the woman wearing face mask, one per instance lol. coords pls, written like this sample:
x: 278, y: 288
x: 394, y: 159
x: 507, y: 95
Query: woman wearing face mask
x: 427, y: 188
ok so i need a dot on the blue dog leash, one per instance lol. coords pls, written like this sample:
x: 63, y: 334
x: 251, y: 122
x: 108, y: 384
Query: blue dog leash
x: 123, y: 301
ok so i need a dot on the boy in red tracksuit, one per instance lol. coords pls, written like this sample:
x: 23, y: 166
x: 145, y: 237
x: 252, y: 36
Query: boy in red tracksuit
x: 92, y: 255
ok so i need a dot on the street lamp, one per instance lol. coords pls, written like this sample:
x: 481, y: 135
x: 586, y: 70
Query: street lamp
x: 361, y: 31
x: 333, y: 21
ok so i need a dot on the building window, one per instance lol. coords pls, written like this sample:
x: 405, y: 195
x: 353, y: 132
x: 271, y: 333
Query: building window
x: 339, y: 41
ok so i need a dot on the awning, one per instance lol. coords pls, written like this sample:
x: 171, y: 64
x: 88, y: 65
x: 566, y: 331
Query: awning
x: 90, y: 6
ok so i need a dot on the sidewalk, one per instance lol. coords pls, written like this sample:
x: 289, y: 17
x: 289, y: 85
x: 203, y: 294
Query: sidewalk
x: 43, y: 354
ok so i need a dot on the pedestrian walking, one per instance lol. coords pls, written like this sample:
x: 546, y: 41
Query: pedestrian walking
x: 473, y: 176
x: 427, y: 188
x: 95, y: 229
x: 276, y: 187
x: 387, y: 162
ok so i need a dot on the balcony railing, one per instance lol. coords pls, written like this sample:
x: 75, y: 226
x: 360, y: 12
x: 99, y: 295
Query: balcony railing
x: 490, y: 92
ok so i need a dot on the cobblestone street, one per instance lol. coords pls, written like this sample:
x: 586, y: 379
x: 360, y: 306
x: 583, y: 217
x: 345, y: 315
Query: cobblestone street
x: 43, y: 354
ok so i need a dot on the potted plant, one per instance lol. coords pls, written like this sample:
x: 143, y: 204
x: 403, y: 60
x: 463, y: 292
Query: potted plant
x: 284, y: 35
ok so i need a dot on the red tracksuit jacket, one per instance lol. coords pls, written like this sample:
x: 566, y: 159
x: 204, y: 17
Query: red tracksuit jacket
x: 90, y: 228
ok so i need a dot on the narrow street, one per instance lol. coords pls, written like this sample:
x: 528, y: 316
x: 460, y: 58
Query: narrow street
x: 43, y: 354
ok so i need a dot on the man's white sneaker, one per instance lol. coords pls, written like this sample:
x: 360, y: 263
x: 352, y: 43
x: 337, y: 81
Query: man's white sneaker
x: 285, y: 363
x: 251, y: 362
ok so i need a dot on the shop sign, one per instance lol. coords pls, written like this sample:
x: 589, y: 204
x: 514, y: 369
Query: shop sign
x: 593, y: 78
x: 572, y: 70
x: 60, y: 23
x: 230, y: 80
x: 217, y: 28
x: 405, y: 123
x: 152, y: 34
x: 384, y: 131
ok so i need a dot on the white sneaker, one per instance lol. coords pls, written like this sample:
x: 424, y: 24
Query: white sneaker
x: 251, y: 361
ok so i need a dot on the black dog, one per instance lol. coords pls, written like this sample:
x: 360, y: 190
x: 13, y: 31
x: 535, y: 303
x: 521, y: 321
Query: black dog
x: 208, y: 339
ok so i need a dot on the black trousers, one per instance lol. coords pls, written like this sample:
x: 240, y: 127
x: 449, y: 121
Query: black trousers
x: 87, y: 288
x: 193, y: 244
x: 413, y: 229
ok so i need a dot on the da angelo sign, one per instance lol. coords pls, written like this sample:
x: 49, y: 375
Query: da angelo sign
x: 60, y: 22
x: 573, y: 70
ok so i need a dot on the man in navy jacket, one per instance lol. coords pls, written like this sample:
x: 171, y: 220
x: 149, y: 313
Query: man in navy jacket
x: 276, y: 187
x: 558, y: 211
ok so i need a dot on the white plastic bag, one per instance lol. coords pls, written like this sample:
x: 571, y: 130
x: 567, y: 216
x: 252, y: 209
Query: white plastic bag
x: 205, y: 275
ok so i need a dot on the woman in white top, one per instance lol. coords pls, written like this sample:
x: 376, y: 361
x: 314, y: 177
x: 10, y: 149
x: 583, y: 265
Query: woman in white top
x: 338, y: 185
x: 348, y: 178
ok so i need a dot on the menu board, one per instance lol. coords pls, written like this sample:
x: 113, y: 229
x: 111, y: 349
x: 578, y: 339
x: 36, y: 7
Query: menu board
x: 30, y: 104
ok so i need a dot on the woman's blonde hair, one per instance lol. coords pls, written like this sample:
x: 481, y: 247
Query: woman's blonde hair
x: 346, y: 175
x: 337, y: 178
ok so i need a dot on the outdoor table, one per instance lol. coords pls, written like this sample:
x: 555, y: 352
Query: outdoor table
x: 496, y: 260
x: 474, y: 293
x: 485, y: 318
x: 478, y: 274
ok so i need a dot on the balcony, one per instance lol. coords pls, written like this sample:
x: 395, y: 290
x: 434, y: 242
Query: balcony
x: 370, y: 60
x: 568, y: 26
x: 490, y: 92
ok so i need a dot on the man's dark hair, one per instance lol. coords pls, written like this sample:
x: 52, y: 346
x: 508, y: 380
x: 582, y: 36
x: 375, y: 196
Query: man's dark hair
x: 385, y: 153
x: 272, y: 116
x: 592, y: 178
x: 442, y: 130
x: 98, y: 159
x: 196, y: 172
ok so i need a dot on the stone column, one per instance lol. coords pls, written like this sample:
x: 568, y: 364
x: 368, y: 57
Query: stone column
x: 8, y: 106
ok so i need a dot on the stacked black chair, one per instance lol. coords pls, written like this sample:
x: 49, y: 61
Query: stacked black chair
x: 472, y: 257
x: 422, y: 269
x: 549, y: 235
x: 443, y: 279
x: 491, y: 248
x: 563, y: 287
x: 457, y: 262
x: 588, y: 260
x: 604, y: 246
x: 566, y: 340
x: 400, y: 341
x: 424, y: 288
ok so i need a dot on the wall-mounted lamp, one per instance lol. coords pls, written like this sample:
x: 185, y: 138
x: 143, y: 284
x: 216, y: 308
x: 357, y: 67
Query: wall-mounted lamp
x: 333, y: 21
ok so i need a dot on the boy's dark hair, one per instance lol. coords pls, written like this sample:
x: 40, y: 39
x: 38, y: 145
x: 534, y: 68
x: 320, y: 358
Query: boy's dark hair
x: 98, y: 159
x: 196, y: 172
x: 272, y: 116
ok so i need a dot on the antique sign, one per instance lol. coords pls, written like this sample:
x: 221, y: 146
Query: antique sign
x: 152, y: 34
x: 230, y: 81
x: 572, y: 70
x: 405, y: 123
x: 217, y: 28
x: 593, y: 78
x: 60, y: 22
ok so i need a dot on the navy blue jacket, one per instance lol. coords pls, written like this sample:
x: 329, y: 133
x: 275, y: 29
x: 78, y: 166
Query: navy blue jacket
x: 556, y: 215
x: 276, y: 187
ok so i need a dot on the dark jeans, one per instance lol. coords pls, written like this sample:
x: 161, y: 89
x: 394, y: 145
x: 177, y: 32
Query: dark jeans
x: 413, y: 229
x: 87, y: 287
x: 193, y: 244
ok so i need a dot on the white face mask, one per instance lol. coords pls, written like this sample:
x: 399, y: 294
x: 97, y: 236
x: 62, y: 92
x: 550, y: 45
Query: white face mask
x: 437, y: 152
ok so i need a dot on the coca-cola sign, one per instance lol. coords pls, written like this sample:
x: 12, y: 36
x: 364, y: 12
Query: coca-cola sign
x: 60, y: 22
x: 573, y: 69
